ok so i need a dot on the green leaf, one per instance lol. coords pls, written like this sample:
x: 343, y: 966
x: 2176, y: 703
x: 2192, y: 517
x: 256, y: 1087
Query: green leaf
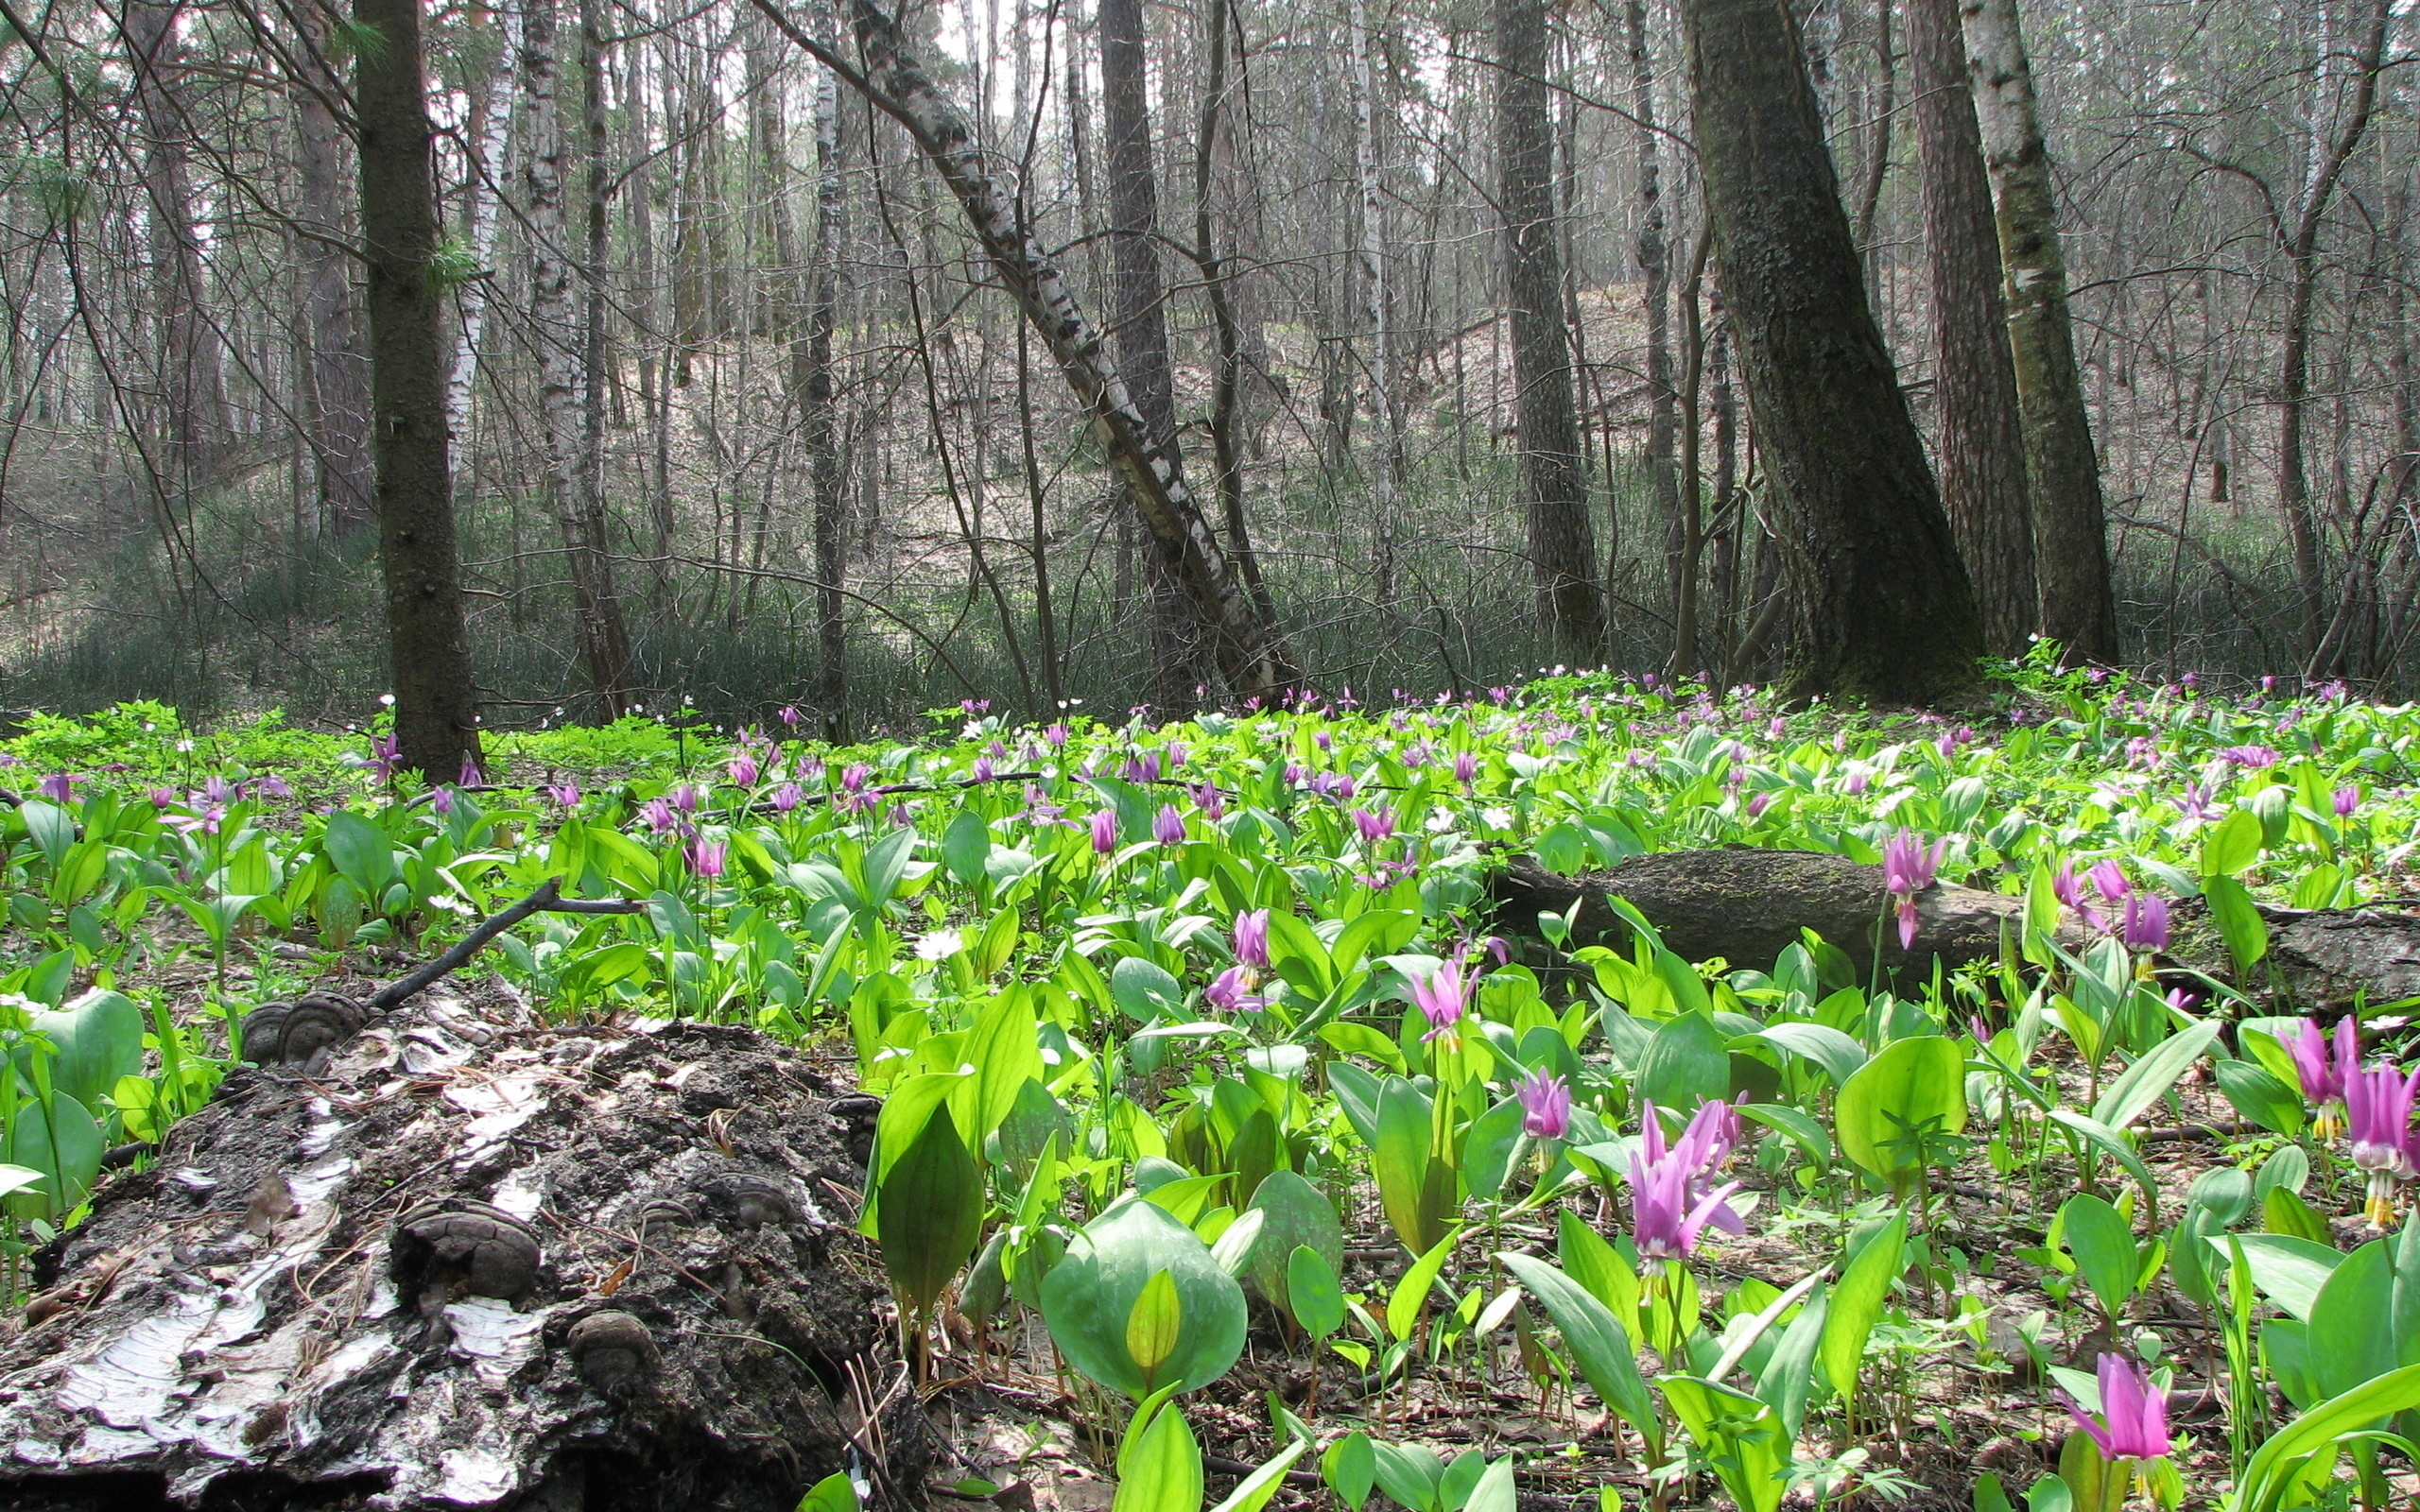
x: 1159, y: 1466
x: 931, y: 1214
x: 2352, y: 1333
x: 2284, y: 1212
x: 2288, y: 1271
x: 1152, y: 1323
x: 2260, y: 1096
x: 2148, y: 1081
x: 2117, y: 1147
x: 362, y: 853
x: 1091, y: 1292
x: 1350, y: 1467
x: 1895, y: 1114
x: 1598, y: 1266
x: 966, y: 845
x: 2270, y: 1472
x: 834, y: 1493
x: 1857, y: 1305
x: 1787, y: 1380
x: 1597, y: 1341
x: 1144, y: 991
x: 1687, y: 1063
x: 2239, y: 919
x: 1294, y: 1214
x: 1828, y: 1047
x: 2103, y: 1244
x: 1006, y: 1052
x: 2231, y: 844
x: 1741, y: 1436
x: 68, y: 1162
x: 1400, y: 1160
x: 99, y: 1038
x: 1253, y: 1492
x: 1410, y: 1295
x: 1313, y: 1292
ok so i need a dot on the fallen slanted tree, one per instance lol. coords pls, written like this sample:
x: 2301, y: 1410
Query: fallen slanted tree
x: 458, y: 1258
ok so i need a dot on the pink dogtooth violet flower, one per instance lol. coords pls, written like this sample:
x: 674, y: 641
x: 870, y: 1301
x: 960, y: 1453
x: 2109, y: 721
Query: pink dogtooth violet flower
x: 1908, y: 868
x: 564, y: 794
x: 658, y: 814
x: 1232, y: 992
x: 472, y: 776
x: 1374, y: 827
x: 789, y: 715
x: 2323, y: 1077
x: 1465, y: 767
x: 2145, y: 927
x: 2133, y: 1424
x: 786, y: 798
x: 1546, y: 1105
x: 2378, y: 1104
x: 2109, y: 880
x: 743, y: 770
x: 1252, y: 939
x: 441, y: 800
x: 1104, y: 832
x: 1671, y: 1203
x: 1167, y: 826
x: 1441, y: 995
x: 2345, y: 800
x: 705, y: 857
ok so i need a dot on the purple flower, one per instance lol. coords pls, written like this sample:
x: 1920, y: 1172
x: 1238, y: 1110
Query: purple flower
x: 789, y: 715
x: 1167, y: 826
x: 1213, y: 802
x: 1293, y: 776
x: 2109, y: 880
x: 1232, y: 992
x: 2194, y: 802
x: 386, y: 755
x: 1757, y: 805
x: 2324, y: 1078
x: 1546, y: 1105
x: 2133, y: 1424
x: 1056, y: 735
x: 60, y: 787
x: 1142, y: 769
x: 1104, y: 832
x: 565, y: 794
x: 683, y: 798
x: 786, y: 798
x: 472, y: 776
x: 983, y: 769
x: 658, y: 814
x: 2378, y: 1103
x: 2347, y: 799
x: 441, y: 800
x: 1440, y: 995
x: 1670, y: 1202
x: 1858, y: 779
x: 1465, y: 767
x: 1374, y: 827
x: 161, y: 797
x: 705, y: 857
x: 2146, y: 922
x: 2255, y: 757
x: 217, y: 789
x: 853, y: 781
x: 743, y: 770
x: 1908, y: 868
x: 1252, y: 939
x: 206, y: 822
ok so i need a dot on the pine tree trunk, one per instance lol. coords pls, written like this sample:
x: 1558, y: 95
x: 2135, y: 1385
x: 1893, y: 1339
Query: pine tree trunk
x: 1883, y: 608
x: 193, y: 357
x: 556, y: 322
x: 1979, y: 444
x: 1561, y: 543
x: 340, y: 369
x: 437, y: 718
x: 2063, y: 474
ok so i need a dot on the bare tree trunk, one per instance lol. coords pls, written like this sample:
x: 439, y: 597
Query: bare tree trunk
x: 1560, y: 541
x: 1655, y: 263
x: 594, y: 366
x: 1252, y: 655
x: 2063, y: 474
x: 1386, y: 453
x: 821, y: 415
x: 492, y: 121
x: 1978, y: 445
x: 191, y: 355
x: 437, y: 701
x: 338, y: 377
x: 555, y: 320
x: 1138, y: 318
x: 1877, y: 162
x: 1884, y: 610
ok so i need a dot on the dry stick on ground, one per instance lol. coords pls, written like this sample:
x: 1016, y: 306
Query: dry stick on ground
x: 547, y: 898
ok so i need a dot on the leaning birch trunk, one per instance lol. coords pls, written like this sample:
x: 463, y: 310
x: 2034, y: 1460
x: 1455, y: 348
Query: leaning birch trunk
x: 1251, y: 656
x: 485, y: 190
x: 2063, y: 474
x: 1386, y: 448
x: 555, y: 317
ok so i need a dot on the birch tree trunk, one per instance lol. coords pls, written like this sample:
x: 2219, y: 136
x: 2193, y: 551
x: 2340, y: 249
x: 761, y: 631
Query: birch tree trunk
x: 1884, y: 610
x: 1252, y: 655
x: 820, y: 415
x: 1559, y: 541
x: 1978, y: 446
x: 2063, y: 473
x: 1386, y: 453
x: 437, y: 701
x: 556, y: 321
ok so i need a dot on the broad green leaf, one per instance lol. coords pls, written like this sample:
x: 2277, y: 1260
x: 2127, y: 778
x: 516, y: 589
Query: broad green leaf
x: 2270, y: 1472
x: 1253, y: 1492
x: 1090, y: 1294
x: 1152, y: 1323
x: 2288, y: 1271
x: 361, y: 851
x: 1839, y: 1056
x: 1350, y: 1467
x: 2240, y: 922
x: 2148, y: 1081
x: 2103, y: 1244
x: 2231, y: 844
x: 1857, y: 1306
x: 1313, y: 1292
x: 1687, y: 1063
x: 1742, y: 1436
x: 1159, y: 1468
x: 1410, y: 1295
x: 966, y: 845
x: 1597, y: 1343
x: 1898, y: 1110
x: 834, y: 1493
x: 931, y: 1214
x: 1294, y: 1214
x: 2258, y: 1096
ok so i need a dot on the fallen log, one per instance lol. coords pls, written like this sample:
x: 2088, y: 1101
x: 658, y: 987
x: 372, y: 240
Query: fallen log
x: 1746, y: 906
x: 474, y: 1262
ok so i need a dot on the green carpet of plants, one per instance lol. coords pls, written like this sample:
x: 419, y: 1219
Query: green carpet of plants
x: 1220, y: 1104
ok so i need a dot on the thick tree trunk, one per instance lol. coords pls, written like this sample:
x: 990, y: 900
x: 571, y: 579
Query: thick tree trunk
x: 2063, y: 474
x: 1251, y: 656
x: 437, y: 703
x: 192, y: 357
x: 555, y: 317
x: 339, y: 369
x: 1978, y: 442
x: 1561, y: 542
x: 1884, y: 610
x: 1138, y: 318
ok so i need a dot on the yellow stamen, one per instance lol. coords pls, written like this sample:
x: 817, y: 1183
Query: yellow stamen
x: 2379, y: 1210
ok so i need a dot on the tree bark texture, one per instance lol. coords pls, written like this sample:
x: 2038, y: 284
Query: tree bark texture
x: 1884, y: 610
x: 1252, y: 655
x: 1561, y: 543
x: 821, y: 415
x: 1656, y: 267
x: 557, y: 323
x: 489, y: 141
x: 1138, y: 318
x: 1979, y: 444
x: 1386, y: 444
x: 192, y: 357
x: 436, y: 701
x: 339, y: 368
x: 2063, y: 473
